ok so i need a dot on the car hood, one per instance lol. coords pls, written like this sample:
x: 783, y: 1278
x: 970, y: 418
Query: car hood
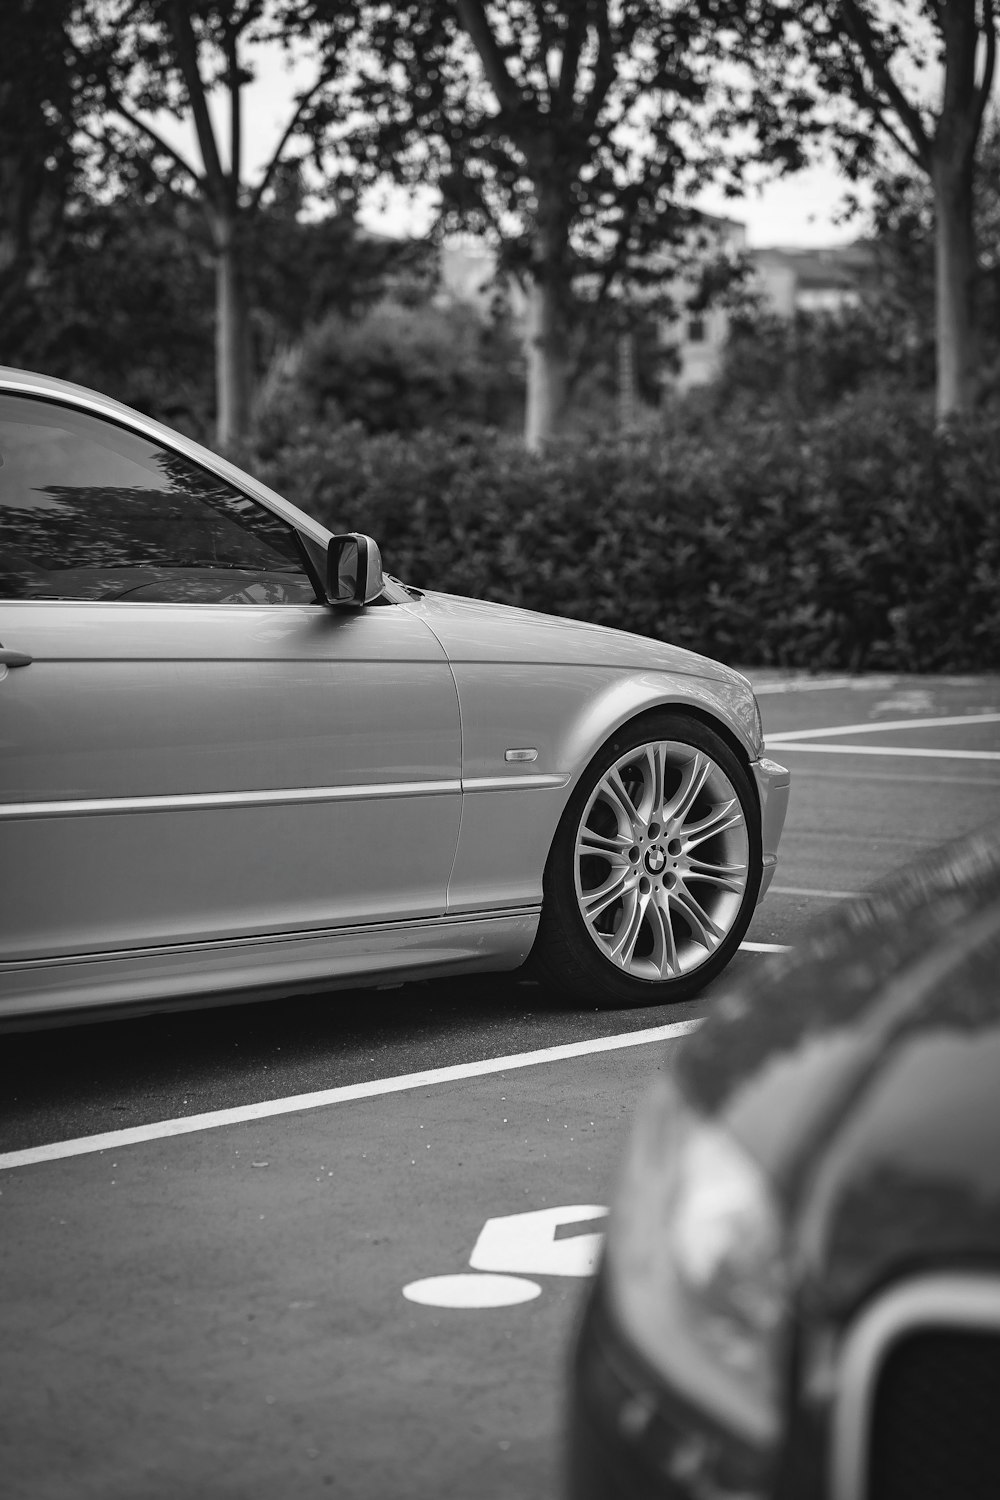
x: 478, y: 630
x: 861, y: 1072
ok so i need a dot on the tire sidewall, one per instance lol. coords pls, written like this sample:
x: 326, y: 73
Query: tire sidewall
x: 561, y: 915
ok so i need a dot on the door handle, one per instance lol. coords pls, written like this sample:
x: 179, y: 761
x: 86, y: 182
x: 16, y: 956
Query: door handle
x: 14, y: 659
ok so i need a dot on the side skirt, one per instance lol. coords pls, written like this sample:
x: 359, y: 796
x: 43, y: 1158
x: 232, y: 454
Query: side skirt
x: 263, y: 968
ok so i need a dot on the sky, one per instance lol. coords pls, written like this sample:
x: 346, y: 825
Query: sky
x: 798, y: 211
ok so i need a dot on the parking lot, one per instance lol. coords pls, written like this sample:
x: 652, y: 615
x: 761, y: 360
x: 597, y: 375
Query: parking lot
x: 336, y: 1246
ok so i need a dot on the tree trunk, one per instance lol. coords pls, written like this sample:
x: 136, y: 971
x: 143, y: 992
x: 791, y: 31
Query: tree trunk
x: 232, y: 363
x: 547, y: 364
x: 627, y: 403
x: 955, y: 280
x: 548, y: 331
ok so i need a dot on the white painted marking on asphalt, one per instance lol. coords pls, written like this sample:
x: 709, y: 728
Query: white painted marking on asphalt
x: 808, y: 890
x: 472, y: 1289
x: 861, y: 773
x: 188, y: 1124
x: 948, y: 722
x: 904, y: 750
x: 527, y: 1242
x: 751, y: 948
x: 821, y: 684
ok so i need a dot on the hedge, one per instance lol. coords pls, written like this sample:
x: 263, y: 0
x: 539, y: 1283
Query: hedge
x: 860, y: 539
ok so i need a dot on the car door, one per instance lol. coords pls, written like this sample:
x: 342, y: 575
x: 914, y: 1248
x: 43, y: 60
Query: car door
x: 193, y: 748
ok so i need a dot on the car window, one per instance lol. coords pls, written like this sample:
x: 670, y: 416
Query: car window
x: 90, y: 510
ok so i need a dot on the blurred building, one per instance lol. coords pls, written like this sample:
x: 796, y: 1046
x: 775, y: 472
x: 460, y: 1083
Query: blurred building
x: 467, y: 274
x: 786, y: 281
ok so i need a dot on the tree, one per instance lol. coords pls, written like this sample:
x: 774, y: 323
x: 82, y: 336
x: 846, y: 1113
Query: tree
x: 144, y: 56
x: 567, y: 132
x: 873, y: 56
x: 38, y: 164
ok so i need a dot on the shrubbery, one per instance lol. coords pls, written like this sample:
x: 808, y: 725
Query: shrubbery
x: 856, y: 539
x: 400, y: 368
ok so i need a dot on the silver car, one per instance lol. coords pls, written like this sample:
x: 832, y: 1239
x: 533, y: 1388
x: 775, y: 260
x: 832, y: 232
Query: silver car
x: 236, y: 760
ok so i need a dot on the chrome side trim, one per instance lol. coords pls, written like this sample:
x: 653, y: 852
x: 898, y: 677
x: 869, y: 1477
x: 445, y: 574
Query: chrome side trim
x: 83, y: 807
x: 511, y: 783
x: 934, y: 1301
x: 186, y: 801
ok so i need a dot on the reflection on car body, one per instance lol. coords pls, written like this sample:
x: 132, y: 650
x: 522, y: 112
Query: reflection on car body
x: 239, y: 761
x: 800, y: 1294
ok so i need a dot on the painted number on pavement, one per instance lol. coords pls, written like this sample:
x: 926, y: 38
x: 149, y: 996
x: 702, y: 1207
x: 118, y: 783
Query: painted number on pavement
x: 542, y: 1242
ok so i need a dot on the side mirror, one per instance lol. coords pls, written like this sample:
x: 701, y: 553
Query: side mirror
x: 353, y: 569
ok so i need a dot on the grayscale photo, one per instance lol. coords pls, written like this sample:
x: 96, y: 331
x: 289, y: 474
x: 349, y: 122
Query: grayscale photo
x: 499, y: 749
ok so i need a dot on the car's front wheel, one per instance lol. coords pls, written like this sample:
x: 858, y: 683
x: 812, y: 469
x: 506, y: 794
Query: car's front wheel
x: 655, y: 867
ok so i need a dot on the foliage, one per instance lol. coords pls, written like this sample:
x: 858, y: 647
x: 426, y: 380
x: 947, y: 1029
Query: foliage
x: 859, y: 538
x: 39, y: 90
x: 124, y: 300
x: 865, y: 72
x: 142, y: 58
x: 399, y: 368
x: 566, y: 135
x: 903, y: 225
x: 808, y: 363
x: 124, y: 305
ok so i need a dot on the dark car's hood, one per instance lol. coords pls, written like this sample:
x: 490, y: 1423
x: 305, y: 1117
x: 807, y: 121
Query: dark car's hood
x: 863, y: 1072
x: 912, y: 1179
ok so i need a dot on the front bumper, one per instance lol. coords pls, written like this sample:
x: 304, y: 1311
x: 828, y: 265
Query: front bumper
x: 632, y: 1437
x: 773, y: 786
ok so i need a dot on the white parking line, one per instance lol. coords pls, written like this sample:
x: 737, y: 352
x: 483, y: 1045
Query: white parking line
x: 807, y: 890
x: 861, y: 773
x: 115, y: 1139
x: 821, y: 684
x: 857, y: 684
x: 906, y: 750
x: 869, y: 727
x: 189, y: 1124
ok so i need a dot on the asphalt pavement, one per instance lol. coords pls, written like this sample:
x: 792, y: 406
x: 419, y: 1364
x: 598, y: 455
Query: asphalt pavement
x: 337, y: 1246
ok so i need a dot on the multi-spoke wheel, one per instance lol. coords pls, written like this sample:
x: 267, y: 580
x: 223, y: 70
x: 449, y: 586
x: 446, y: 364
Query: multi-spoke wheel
x: 655, y: 868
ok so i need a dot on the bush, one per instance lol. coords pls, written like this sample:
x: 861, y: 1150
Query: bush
x: 857, y: 539
x: 813, y: 361
x: 400, y: 369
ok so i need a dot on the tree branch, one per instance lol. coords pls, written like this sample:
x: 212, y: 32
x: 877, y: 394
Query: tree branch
x: 472, y: 19
x: 154, y: 136
x: 187, y: 57
x: 860, y: 30
x: 576, y: 30
x: 989, y: 66
x: 286, y: 134
x: 906, y: 146
x: 604, y: 68
x: 235, y: 117
x: 543, y: 29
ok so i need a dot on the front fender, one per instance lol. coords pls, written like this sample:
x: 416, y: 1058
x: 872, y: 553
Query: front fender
x: 565, y: 714
x: 728, y: 704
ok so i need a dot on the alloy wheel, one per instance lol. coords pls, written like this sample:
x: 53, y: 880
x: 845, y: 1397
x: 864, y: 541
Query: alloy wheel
x: 661, y: 860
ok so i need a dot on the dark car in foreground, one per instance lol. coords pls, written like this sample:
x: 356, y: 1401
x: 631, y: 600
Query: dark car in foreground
x: 800, y: 1290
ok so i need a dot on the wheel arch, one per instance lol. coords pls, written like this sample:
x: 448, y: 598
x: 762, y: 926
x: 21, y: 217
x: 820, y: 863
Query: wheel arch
x: 714, y: 703
x: 625, y: 703
x: 622, y: 709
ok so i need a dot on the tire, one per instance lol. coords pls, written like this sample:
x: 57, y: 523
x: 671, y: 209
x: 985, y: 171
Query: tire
x: 654, y: 871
